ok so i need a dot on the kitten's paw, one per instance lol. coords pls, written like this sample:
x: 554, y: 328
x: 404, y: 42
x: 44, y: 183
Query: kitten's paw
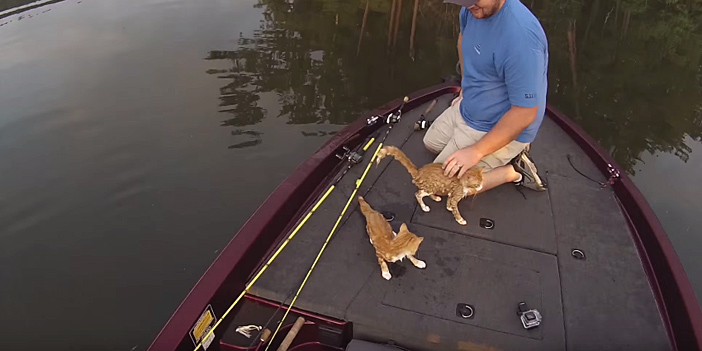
x: 425, y: 208
x: 387, y: 275
x: 461, y: 221
x: 421, y: 264
x: 436, y: 198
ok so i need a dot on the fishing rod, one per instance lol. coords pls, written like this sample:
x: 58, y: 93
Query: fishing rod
x: 390, y: 120
x: 351, y: 158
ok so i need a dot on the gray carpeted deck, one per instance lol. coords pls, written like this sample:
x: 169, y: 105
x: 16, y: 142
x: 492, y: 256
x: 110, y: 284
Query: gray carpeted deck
x: 601, y: 303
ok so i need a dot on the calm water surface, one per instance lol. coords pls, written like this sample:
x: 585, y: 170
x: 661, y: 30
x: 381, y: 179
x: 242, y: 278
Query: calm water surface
x: 136, y: 137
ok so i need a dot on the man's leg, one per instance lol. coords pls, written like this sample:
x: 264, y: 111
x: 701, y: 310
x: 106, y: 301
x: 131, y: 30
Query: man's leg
x: 511, y: 164
x: 441, y: 130
x: 498, y: 176
x: 498, y: 166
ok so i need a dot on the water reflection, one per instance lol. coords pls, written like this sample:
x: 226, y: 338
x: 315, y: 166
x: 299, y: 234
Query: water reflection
x: 310, y: 55
x: 320, y: 133
x: 254, y: 136
x: 627, y: 71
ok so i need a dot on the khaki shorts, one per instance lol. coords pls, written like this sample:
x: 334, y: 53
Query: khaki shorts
x: 450, y: 133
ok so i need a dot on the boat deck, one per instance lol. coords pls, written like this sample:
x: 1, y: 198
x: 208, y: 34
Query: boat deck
x: 603, y: 302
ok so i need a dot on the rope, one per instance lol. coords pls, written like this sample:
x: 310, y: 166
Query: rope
x: 602, y: 184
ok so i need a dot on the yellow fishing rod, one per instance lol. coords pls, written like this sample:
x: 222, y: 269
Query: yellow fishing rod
x: 351, y: 158
x: 331, y: 233
x: 390, y: 120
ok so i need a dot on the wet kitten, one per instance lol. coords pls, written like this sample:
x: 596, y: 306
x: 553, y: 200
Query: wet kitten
x: 431, y: 181
x: 389, y: 247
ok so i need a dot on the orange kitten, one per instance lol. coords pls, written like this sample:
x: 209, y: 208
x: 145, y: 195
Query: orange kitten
x: 389, y: 247
x: 431, y: 181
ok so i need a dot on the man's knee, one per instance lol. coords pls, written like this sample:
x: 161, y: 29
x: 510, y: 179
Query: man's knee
x: 431, y: 144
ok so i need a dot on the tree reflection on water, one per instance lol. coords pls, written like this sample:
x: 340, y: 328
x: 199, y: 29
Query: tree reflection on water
x: 627, y: 71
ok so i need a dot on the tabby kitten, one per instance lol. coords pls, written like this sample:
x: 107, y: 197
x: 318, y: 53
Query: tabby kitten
x: 431, y: 181
x: 389, y: 247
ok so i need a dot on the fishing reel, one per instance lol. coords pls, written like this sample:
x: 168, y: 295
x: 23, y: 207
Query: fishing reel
x: 422, y: 124
x: 392, y: 118
x: 350, y: 155
x: 389, y: 119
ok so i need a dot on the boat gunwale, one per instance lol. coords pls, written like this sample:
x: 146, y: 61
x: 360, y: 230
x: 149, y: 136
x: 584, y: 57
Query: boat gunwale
x: 671, y: 288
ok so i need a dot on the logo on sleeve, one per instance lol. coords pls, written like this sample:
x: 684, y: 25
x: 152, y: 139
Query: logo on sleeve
x: 529, y: 96
x: 477, y: 48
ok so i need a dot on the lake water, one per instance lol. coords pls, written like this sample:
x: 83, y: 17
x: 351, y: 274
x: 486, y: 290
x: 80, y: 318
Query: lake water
x: 136, y: 137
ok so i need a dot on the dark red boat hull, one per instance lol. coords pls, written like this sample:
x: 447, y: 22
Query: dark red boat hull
x: 247, y: 250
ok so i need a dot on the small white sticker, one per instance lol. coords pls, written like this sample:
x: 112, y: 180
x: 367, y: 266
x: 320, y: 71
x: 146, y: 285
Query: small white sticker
x: 208, y: 340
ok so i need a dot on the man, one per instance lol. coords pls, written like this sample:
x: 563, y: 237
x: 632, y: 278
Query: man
x: 503, y: 53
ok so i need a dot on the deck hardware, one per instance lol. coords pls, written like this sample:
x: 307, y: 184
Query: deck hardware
x: 487, y: 223
x: 465, y: 311
x: 389, y: 216
x: 531, y: 318
x: 578, y: 254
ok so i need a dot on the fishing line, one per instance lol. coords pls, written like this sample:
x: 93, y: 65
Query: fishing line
x: 331, y: 233
x: 309, y: 214
x: 390, y: 120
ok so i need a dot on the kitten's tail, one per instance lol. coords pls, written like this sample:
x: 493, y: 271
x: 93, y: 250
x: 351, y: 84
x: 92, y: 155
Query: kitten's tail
x: 399, y: 156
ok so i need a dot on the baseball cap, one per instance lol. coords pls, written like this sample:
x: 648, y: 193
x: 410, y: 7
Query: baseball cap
x: 464, y: 3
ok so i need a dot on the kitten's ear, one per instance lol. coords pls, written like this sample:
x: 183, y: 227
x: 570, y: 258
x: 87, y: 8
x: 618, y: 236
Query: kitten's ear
x: 403, y: 227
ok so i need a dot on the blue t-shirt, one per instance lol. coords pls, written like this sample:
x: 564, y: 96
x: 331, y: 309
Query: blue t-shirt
x: 505, y: 62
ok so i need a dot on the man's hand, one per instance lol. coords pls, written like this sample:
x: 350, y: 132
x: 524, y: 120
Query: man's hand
x: 461, y: 161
